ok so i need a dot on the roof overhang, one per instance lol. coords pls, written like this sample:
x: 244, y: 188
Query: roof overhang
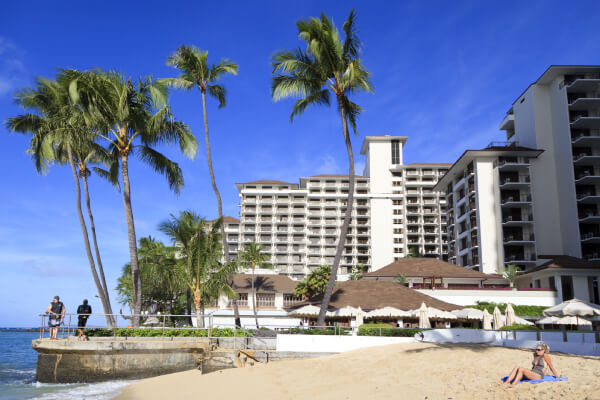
x: 383, y: 138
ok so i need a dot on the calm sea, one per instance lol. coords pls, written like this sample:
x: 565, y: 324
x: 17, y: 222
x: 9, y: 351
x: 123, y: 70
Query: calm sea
x: 17, y: 374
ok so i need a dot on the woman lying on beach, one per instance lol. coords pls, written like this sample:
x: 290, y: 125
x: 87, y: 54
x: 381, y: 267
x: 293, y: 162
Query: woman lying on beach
x: 537, y: 367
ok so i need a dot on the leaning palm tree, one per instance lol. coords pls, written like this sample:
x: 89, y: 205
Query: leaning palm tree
x: 328, y: 66
x: 196, y: 73
x: 60, y: 134
x: 132, y: 117
x: 252, y: 257
x: 199, y: 245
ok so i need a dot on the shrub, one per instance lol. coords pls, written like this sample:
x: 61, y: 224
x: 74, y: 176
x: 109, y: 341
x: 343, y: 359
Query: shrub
x: 519, y: 327
x: 531, y: 311
x: 317, y: 331
x: 175, y: 332
x: 386, y: 330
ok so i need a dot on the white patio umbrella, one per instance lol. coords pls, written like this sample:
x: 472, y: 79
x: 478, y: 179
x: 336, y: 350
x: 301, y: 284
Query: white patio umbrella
x: 389, y: 312
x: 347, y: 311
x: 575, y: 308
x: 498, y: 320
x: 487, y: 320
x: 547, y: 321
x: 510, y: 315
x: 423, y: 317
x: 439, y: 314
x: 571, y: 320
x: 308, y: 310
x: 469, y: 313
x: 522, y: 321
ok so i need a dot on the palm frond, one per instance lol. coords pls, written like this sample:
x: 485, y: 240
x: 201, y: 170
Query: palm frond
x: 162, y: 165
x: 317, y: 98
x: 218, y: 92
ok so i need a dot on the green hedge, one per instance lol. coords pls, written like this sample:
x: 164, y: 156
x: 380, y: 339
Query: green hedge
x: 140, y: 332
x: 386, y: 330
x: 519, y: 327
x: 531, y: 311
x: 319, y: 331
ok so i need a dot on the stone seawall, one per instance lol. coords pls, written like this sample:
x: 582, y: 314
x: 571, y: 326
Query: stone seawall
x: 68, y: 361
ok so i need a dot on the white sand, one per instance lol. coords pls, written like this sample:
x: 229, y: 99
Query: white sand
x: 401, y: 371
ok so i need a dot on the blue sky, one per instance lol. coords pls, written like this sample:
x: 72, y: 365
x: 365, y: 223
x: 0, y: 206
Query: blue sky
x: 444, y: 74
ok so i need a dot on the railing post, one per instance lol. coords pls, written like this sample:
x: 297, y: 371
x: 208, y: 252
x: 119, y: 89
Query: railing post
x: 69, y: 329
x: 42, y: 328
x: 163, y: 326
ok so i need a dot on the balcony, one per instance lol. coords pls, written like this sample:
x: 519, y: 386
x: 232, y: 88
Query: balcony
x: 587, y: 197
x: 516, y: 220
x: 519, y: 258
x: 583, y: 101
x: 512, y: 164
x: 584, y: 122
x: 590, y: 237
x: 519, y: 239
x: 512, y: 183
x: 582, y: 83
x: 585, y: 158
x: 509, y: 201
x: 589, y: 217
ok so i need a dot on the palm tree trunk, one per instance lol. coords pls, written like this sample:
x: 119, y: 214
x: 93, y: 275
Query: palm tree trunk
x: 108, y: 309
x: 236, y: 311
x: 347, y: 217
x: 254, y: 298
x: 198, y: 307
x: 188, y: 305
x: 133, y: 257
x: 86, y: 240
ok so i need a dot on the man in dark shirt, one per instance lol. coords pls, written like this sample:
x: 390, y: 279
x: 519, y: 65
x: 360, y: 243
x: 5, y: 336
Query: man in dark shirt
x: 83, y: 312
x: 56, y: 309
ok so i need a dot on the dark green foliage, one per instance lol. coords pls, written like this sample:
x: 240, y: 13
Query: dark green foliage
x: 531, y: 311
x: 519, y: 327
x: 386, y: 330
x: 315, y: 283
x: 327, y: 331
x: 169, y: 332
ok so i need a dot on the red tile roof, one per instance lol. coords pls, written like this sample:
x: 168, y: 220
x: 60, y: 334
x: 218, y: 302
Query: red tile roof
x: 426, y: 268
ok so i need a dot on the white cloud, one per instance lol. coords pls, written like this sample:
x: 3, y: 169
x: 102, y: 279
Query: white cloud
x: 11, y: 66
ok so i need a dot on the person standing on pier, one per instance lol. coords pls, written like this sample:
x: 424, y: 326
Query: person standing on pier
x: 56, y: 309
x: 83, y: 312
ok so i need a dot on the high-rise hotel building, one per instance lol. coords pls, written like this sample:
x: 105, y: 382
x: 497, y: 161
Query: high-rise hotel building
x: 395, y: 211
x: 537, y: 194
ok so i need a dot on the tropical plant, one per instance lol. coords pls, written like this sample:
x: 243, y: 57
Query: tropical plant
x: 510, y: 273
x: 357, y: 272
x: 327, y: 66
x: 199, y: 249
x: 413, y: 252
x: 401, y: 279
x: 132, y: 117
x: 61, y: 134
x: 196, y: 73
x: 160, y: 272
x: 315, y: 283
x: 252, y: 256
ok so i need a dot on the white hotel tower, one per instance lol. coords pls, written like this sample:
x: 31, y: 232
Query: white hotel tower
x: 394, y: 210
x: 539, y: 193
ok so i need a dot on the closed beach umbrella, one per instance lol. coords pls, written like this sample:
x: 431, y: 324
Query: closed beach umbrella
x: 498, y: 320
x: 360, y: 317
x: 487, y: 320
x: 575, y: 308
x: 510, y: 315
x: 423, y: 317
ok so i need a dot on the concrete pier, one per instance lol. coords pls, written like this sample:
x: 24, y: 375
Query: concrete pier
x: 68, y: 361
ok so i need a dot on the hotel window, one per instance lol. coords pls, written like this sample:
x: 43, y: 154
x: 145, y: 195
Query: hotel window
x: 265, y: 300
x: 398, y: 230
x: 397, y: 202
x: 397, y: 221
x: 242, y: 300
x: 397, y: 212
x: 395, y: 152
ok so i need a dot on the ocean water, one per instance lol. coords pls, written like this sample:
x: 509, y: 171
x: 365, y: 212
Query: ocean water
x: 17, y: 374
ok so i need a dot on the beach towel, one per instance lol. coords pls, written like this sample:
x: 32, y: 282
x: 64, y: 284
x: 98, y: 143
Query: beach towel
x: 546, y: 378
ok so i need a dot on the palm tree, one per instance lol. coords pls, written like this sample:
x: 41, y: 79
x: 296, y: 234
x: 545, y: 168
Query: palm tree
x: 199, y: 245
x: 61, y: 134
x: 132, y: 118
x: 196, y: 73
x: 510, y: 273
x: 328, y: 65
x: 252, y: 257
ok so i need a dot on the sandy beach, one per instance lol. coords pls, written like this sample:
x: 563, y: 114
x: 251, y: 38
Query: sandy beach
x: 409, y: 371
